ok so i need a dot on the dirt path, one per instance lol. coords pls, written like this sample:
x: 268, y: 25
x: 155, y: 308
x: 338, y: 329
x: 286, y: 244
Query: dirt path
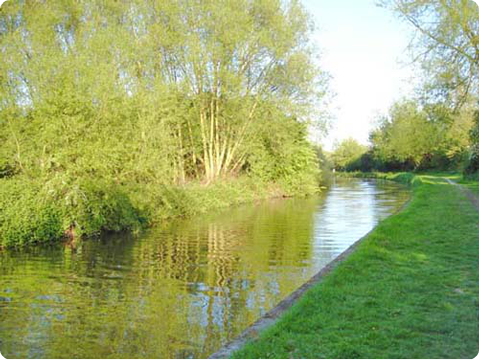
x: 473, y: 198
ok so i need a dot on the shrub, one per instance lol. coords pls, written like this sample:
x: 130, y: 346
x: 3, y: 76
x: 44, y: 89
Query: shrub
x: 26, y: 216
x: 91, y: 207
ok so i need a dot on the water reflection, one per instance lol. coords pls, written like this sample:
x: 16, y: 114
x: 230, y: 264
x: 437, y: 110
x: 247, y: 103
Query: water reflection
x: 182, y: 289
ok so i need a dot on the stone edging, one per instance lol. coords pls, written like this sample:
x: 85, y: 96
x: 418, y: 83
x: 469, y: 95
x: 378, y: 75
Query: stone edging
x: 272, y: 316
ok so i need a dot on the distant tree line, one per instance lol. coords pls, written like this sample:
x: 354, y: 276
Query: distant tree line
x: 412, y: 137
x: 439, y: 127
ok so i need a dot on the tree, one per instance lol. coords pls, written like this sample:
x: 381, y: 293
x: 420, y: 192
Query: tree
x: 429, y: 136
x: 473, y: 165
x: 108, y: 108
x: 346, y: 153
x: 446, y: 44
x: 405, y: 135
x: 188, y: 83
x: 255, y: 57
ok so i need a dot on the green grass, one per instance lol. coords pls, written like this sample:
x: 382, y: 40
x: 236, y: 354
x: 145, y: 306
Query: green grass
x: 402, y: 177
x: 471, y: 185
x: 410, y: 290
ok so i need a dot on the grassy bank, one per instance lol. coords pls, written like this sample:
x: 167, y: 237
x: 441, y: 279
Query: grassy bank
x: 471, y: 185
x: 411, y: 290
x: 403, y: 177
x: 37, y: 211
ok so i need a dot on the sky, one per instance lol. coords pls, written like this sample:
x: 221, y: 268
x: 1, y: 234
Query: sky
x: 363, y: 47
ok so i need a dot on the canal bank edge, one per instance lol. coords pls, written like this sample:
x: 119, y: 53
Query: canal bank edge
x: 272, y: 316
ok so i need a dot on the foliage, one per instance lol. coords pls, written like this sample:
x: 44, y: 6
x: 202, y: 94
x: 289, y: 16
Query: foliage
x: 408, y: 291
x: 405, y: 178
x: 285, y: 157
x: 413, y: 136
x: 325, y: 163
x: 406, y: 136
x: 97, y: 206
x: 446, y: 45
x: 418, y: 137
x: 346, y: 154
x: 158, y: 203
x: 472, y: 168
x: 31, y: 212
x: 186, y: 84
x: 98, y: 99
x: 26, y: 216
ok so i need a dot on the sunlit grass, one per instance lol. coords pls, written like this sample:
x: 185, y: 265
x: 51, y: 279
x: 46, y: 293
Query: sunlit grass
x: 411, y: 290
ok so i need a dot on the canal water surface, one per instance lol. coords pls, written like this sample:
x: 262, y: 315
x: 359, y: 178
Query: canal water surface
x: 182, y: 289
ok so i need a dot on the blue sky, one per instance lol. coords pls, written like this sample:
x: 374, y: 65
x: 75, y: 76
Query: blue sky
x: 363, y: 47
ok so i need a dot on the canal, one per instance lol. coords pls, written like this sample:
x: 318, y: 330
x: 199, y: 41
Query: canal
x: 182, y: 289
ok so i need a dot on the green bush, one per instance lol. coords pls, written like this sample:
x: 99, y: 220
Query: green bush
x: 157, y: 203
x: 406, y: 178
x: 26, y: 216
x: 31, y: 211
x: 91, y: 207
x: 40, y: 211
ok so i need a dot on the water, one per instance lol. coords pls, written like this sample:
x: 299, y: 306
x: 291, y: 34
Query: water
x: 183, y: 289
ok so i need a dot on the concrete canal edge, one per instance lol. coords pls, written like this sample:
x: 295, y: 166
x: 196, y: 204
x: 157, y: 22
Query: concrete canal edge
x: 272, y: 316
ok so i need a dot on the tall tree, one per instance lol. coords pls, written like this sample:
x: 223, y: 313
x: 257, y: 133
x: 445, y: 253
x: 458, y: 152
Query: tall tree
x: 239, y: 59
x: 446, y: 43
x: 204, y: 73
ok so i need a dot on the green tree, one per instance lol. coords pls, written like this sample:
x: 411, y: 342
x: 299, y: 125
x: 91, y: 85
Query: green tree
x: 204, y: 73
x: 405, y: 135
x: 473, y: 165
x: 429, y: 136
x: 446, y: 44
x: 346, y: 153
x: 143, y: 95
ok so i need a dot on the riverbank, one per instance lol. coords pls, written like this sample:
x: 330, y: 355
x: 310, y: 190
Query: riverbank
x: 409, y: 290
x: 403, y: 177
x: 34, y: 211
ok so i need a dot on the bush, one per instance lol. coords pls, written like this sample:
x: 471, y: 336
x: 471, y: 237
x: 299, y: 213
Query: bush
x: 162, y: 202
x: 90, y: 207
x: 40, y: 211
x: 26, y: 216
x: 33, y: 212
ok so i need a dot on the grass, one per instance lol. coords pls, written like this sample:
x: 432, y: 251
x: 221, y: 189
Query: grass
x: 411, y: 290
x: 471, y: 185
x: 402, y: 177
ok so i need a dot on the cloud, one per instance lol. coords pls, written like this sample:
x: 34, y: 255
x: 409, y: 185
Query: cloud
x: 476, y: 1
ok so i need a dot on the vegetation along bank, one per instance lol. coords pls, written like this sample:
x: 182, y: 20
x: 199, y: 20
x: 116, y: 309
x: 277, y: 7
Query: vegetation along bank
x: 116, y: 115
